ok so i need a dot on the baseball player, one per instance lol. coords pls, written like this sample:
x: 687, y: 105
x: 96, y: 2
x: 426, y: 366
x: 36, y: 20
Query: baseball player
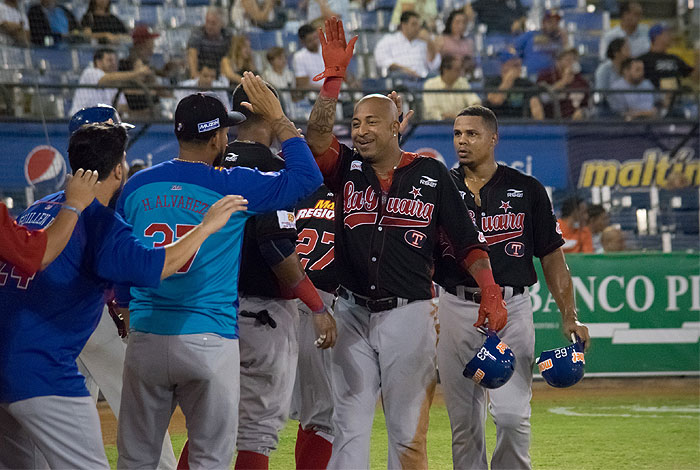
x: 32, y: 250
x: 45, y: 409
x: 183, y: 348
x: 312, y: 400
x: 390, y: 206
x: 102, y: 359
x: 515, y: 215
x: 271, y: 277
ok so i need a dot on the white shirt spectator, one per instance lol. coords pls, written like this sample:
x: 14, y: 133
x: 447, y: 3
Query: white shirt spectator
x: 313, y: 11
x: 308, y: 64
x: 9, y: 14
x: 194, y: 83
x: 639, y: 40
x: 86, y: 97
x: 397, y: 49
x: 438, y: 105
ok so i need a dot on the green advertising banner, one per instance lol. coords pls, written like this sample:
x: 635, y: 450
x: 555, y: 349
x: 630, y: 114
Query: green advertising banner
x: 642, y: 310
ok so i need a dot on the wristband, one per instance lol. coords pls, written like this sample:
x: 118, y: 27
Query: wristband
x: 72, y: 209
x: 331, y: 87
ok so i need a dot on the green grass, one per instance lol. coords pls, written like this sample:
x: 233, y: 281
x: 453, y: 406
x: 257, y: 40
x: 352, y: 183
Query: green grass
x: 647, y: 439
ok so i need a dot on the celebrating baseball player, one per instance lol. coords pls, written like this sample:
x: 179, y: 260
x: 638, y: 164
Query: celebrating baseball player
x: 102, y: 359
x: 390, y: 207
x: 515, y: 215
x: 46, y: 411
x: 33, y: 250
x: 312, y: 401
x: 270, y: 278
x: 183, y: 348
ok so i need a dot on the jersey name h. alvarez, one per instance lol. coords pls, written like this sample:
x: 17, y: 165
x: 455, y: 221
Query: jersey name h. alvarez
x: 385, y: 240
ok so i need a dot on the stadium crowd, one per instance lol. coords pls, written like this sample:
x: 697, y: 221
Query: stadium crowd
x: 519, y: 58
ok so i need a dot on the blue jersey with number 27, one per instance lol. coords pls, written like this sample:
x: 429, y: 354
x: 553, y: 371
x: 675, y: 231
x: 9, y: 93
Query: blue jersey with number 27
x: 166, y: 201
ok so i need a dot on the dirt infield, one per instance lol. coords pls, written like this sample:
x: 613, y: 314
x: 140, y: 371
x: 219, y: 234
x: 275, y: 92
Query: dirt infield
x: 665, y: 386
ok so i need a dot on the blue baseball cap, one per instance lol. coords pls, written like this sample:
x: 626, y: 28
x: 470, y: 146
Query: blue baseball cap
x: 99, y: 113
x: 657, y: 29
x: 199, y: 115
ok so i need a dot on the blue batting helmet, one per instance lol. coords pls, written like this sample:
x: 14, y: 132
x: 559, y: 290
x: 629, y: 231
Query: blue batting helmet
x: 562, y: 367
x: 99, y: 113
x: 493, y: 364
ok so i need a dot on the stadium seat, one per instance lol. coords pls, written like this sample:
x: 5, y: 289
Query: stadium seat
x: 376, y: 85
x: 262, y: 40
x: 490, y: 66
x: 196, y: 3
x: 495, y: 42
x: 150, y: 15
x: 14, y: 58
x: 385, y: 4
x: 584, y: 21
x: 152, y: 2
x: 54, y: 58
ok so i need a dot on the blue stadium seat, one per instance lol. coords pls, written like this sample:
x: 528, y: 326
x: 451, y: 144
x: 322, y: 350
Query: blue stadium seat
x: 589, y: 62
x: 376, y: 85
x: 490, y: 66
x: 263, y: 40
x: 53, y: 58
x: 385, y: 4
x: 290, y: 4
x: 495, y: 42
x: 14, y: 58
x: 196, y: 3
x: 585, y: 21
x: 85, y: 56
x: 589, y: 42
x: 152, y: 2
x: 149, y: 14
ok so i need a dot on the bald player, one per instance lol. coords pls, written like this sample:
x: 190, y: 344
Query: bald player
x: 390, y: 207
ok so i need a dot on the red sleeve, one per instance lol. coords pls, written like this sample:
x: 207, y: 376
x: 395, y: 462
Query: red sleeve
x: 18, y: 246
x: 329, y: 164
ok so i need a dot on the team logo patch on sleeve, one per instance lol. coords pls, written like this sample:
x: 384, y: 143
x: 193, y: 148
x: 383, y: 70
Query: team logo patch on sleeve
x: 356, y: 165
x: 286, y: 219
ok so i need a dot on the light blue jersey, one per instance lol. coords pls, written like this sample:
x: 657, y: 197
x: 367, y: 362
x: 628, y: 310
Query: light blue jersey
x: 166, y: 201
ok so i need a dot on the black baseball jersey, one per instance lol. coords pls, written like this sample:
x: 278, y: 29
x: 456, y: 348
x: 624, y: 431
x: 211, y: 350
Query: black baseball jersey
x: 256, y: 277
x: 385, y: 241
x: 518, y: 221
x: 315, y: 245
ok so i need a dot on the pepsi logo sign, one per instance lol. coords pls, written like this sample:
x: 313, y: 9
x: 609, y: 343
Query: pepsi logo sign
x: 44, y: 163
x: 516, y: 249
x: 415, y: 238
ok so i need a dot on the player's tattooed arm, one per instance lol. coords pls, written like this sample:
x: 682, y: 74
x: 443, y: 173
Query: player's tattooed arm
x: 264, y: 102
x: 284, y: 128
x: 319, y: 132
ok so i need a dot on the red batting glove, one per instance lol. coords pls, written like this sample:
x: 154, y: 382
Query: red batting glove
x: 492, y: 307
x: 336, y: 52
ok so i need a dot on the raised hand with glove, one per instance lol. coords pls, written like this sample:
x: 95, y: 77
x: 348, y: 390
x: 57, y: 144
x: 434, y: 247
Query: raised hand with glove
x: 336, y: 51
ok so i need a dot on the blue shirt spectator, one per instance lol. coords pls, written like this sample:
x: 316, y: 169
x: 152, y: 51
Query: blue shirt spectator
x: 610, y: 71
x: 633, y: 105
x: 630, y: 27
x: 539, y: 48
x: 49, y: 20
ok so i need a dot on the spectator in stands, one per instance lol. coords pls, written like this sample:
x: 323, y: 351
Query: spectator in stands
x: 437, y: 106
x: 566, y: 85
x: 633, y: 105
x: 610, y: 71
x: 408, y: 53
x: 523, y: 102
x: 50, y: 23
x: 539, y: 48
x: 238, y: 60
x: 205, y: 81
x: 574, y: 218
x: 598, y: 219
x: 501, y: 16
x: 278, y: 73
x: 664, y: 70
x: 101, y: 24
x: 318, y: 11
x: 265, y: 14
x: 103, y: 72
x: 454, y: 40
x: 14, y: 25
x: 308, y: 61
x: 210, y: 42
x: 425, y: 9
x: 613, y: 240
x: 140, y: 55
x: 630, y: 27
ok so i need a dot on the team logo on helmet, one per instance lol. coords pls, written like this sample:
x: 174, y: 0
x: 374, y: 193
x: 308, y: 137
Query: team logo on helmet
x: 45, y: 164
x: 493, y: 364
x: 562, y: 367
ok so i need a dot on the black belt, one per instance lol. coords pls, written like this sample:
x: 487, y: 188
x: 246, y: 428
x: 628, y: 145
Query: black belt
x: 263, y: 316
x: 473, y: 294
x: 373, y: 305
